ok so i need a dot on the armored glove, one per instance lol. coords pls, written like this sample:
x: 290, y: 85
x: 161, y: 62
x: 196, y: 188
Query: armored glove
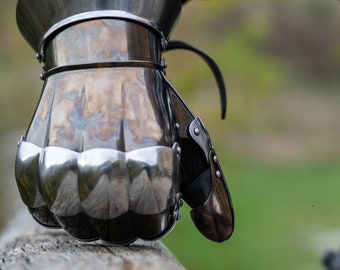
x: 112, y: 148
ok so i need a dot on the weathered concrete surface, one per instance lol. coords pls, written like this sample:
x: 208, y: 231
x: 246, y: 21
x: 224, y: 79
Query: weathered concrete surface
x: 25, y: 244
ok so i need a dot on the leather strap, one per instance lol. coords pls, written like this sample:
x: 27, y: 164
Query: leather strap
x: 172, y: 45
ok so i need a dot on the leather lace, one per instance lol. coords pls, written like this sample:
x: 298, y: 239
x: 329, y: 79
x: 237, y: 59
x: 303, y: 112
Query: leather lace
x: 172, y: 45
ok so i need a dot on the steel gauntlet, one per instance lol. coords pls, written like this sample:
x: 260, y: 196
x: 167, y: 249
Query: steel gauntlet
x: 112, y: 148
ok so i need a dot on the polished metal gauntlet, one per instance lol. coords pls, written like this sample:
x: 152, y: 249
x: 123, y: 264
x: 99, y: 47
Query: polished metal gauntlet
x: 112, y: 148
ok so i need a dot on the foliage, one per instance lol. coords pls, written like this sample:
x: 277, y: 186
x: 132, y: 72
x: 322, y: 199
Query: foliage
x: 279, y: 144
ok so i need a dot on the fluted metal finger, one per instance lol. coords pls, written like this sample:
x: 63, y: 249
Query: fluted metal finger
x: 103, y: 183
x: 101, y: 193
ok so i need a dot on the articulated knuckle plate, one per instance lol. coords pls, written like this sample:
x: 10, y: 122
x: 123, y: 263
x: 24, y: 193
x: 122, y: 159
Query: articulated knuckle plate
x: 104, y: 185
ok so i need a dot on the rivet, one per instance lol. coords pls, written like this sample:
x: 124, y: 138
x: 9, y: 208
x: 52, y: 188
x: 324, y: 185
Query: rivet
x: 215, y: 159
x: 164, y: 44
x: 164, y: 64
x: 43, y: 73
x: 177, y: 126
x: 179, y: 150
x: 218, y: 174
x: 197, y: 131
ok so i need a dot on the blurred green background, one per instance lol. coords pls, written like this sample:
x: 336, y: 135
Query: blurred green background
x: 279, y: 145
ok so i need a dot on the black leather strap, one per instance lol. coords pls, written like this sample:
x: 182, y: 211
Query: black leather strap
x: 172, y: 45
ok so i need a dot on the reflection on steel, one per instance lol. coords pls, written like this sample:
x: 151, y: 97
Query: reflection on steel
x: 112, y: 148
x: 36, y: 17
x: 100, y: 184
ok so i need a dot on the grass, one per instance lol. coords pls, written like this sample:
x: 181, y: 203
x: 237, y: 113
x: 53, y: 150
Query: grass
x: 282, y: 216
x: 286, y: 215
